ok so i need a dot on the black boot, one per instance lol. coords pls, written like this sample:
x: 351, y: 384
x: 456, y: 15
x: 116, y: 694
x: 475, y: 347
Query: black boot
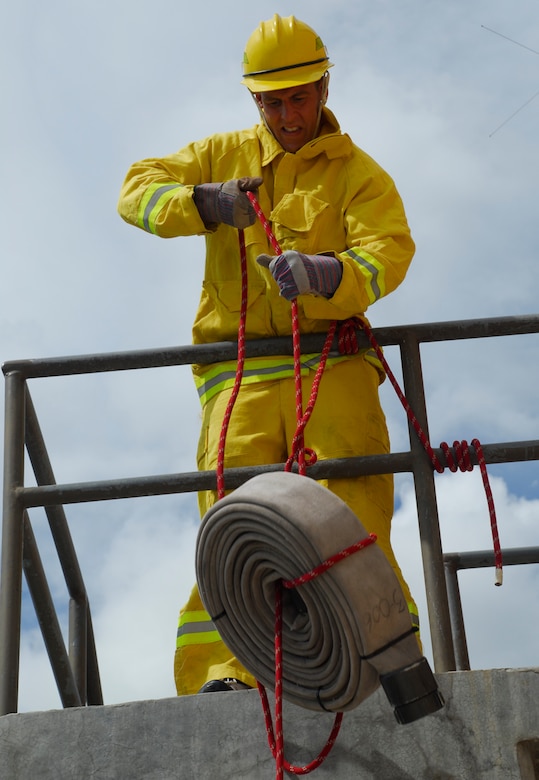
x: 228, y: 684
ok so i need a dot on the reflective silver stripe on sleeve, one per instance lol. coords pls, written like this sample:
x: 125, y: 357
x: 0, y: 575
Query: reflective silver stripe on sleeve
x: 153, y: 202
x: 371, y: 269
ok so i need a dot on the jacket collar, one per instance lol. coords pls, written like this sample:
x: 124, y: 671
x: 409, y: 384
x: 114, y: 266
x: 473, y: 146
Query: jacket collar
x: 331, y: 141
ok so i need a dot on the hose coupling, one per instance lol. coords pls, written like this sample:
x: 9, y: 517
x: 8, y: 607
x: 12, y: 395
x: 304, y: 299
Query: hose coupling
x: 412, y: 691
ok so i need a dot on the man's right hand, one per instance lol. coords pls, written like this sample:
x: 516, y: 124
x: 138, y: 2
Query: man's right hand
x: 226, y: 202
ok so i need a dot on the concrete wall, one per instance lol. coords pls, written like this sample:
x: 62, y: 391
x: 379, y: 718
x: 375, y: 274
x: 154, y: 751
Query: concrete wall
x: 222, y: 737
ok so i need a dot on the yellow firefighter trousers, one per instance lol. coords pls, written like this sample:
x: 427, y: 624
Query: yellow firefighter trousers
x: 347, y: 421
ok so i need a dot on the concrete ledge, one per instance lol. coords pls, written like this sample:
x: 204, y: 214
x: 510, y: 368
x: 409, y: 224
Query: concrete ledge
x: 223, y: 736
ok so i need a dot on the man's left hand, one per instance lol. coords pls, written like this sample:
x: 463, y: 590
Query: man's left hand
x: 298, y: 274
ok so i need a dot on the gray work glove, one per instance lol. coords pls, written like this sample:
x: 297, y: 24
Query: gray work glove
x: 227, y: 202
x: 297, y: 274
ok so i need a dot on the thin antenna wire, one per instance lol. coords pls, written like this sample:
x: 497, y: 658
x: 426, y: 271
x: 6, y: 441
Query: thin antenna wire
x: 508, y: 39
x: 513, y: 114
x: 527, y: 101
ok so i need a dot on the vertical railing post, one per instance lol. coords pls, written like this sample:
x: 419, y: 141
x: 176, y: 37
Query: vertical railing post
x: 427, y: 511
x: 12, y: 543
x: 462, y: 658
x: 51, y: 632
x: 78, y: 644
x: 78, y: 604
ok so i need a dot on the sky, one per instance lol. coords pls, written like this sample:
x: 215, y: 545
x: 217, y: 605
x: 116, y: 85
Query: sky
x: 427, y: 88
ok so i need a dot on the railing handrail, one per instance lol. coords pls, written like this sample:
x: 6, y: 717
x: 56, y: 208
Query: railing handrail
x: 22, y: 427
x: 195, y: 481
x: 161, y: 357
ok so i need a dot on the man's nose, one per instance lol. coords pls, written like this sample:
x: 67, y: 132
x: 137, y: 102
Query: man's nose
x: 287, y: 110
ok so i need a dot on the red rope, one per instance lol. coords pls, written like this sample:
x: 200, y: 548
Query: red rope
x: 276, y: 738
x: 239, y: 371
x: 348, y: 344
x: 304, y: 457
x: 327, y: 564
x: 298, y: 450
x: 305, y: 769
x: 492, y: 511
x: 298, y: 441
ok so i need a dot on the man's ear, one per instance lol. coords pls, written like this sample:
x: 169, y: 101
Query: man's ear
x: 258, y: 100
x: 324, y: 88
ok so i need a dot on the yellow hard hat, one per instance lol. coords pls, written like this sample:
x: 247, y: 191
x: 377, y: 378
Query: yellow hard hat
x: 283, y: 53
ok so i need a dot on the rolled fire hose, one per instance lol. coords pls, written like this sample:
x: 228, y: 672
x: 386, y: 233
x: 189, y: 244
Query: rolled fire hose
x: 344, y: 632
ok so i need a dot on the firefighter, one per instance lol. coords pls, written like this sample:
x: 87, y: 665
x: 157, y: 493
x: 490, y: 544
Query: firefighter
x: 345, y: 242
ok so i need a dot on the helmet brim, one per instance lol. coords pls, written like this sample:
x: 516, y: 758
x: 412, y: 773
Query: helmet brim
x: 269, y: 82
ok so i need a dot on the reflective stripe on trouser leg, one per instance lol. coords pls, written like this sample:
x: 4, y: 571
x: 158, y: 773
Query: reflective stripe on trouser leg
x: 201, y: 655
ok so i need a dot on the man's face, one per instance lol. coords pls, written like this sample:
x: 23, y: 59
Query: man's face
x: 292, y: 114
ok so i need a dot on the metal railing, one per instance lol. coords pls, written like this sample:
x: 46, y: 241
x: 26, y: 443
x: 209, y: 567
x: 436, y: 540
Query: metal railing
x: 76, y: 669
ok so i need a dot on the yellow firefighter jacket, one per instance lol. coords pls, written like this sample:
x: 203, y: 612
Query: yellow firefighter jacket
x: 328, y: 197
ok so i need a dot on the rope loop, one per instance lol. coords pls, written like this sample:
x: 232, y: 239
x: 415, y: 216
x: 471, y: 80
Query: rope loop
x: 315, y: 763
x: 347, y: 337
x: 463, y: 463
x: 309, y: 457
x: 462, y: 451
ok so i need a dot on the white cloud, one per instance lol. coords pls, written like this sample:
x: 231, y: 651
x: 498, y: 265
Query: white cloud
x: 145, y: 577
x: 494, y: 616
x: 137, y: 559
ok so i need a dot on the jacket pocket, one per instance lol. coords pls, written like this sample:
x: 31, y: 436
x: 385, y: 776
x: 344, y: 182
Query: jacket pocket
x: 298, y: 219
x: 227, y: 295
x: 220, y: 306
